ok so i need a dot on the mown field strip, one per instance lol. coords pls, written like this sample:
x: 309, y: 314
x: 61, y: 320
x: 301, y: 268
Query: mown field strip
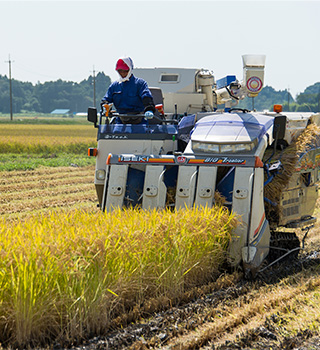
x: 62, y: 200
x: 26, y: 192
x: 19, y: 188
x: 45, y: 174
x: 51, y: 191
x: 74, y: 204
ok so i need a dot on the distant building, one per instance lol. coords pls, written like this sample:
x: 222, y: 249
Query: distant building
x: 62, y: 112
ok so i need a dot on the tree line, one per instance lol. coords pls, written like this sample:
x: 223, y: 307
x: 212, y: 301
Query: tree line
x: 307, y: 101
x: 45, y: 97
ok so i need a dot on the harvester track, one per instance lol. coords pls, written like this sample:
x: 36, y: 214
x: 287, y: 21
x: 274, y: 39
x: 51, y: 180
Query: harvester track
x: 284, y: 246
x: 282, y: 243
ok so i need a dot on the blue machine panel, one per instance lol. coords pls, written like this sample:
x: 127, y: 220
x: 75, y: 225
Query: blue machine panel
x: 227, y: 80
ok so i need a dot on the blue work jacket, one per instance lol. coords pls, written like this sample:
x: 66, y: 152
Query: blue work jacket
x: 127, y: 96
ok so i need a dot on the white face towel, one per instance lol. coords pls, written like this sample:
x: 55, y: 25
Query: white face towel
x: 128, y: 61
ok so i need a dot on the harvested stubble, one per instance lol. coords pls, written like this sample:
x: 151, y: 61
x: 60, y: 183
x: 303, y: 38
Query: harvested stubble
x: 23, y: 193
x: 66, y: 275
x: 289, y: 158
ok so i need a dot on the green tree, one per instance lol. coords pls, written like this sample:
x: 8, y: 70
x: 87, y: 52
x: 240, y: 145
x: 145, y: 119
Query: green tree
x: 4, y: 95
x: 21, y: 92
x: 310, y: 98
x: 266, y: 99
x: 102, y: 83
x: 45, y: 97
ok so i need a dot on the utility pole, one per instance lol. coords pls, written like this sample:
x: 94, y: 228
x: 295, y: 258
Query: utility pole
x: 94, y: 87
x: 288, y: 100
x: 10, y: 87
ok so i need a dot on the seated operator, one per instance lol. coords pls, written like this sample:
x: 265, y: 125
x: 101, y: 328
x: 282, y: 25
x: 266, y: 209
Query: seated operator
x: 130, y: 95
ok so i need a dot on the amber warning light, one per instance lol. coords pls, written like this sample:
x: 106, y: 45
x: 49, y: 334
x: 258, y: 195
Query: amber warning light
x: 277, y: 108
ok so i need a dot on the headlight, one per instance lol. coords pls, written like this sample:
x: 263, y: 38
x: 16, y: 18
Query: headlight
x: 205, y: 147
x: 227, y: 148
x: 244, y: 147
x: 223, y: 148
x: 100, y: 174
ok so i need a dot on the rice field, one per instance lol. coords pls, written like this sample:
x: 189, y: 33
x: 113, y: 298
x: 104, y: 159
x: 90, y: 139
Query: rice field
x: 66, y: 269
x: 29, y: 146
x: 35, y: 139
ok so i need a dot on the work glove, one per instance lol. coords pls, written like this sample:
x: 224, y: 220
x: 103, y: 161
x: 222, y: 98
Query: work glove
x: 148, y: 115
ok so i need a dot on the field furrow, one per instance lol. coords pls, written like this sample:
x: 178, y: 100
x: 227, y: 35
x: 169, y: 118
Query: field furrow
x: 39, y: 183
x: 49, y: 191
x: 44, y: 174
x: 54, y: 201
x: 26, y: 192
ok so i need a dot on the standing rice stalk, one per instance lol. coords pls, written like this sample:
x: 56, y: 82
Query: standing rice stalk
x: 66, y: 275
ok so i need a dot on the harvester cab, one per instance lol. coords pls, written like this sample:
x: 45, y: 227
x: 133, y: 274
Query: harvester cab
x: 204, y: 145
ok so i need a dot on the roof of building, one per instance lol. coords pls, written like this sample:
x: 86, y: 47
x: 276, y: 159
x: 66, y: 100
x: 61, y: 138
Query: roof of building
x: 61, y: 111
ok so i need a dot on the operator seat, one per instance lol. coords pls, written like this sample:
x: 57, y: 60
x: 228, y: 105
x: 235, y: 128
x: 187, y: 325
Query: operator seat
x: 157, y: 95
x: 157, y: 99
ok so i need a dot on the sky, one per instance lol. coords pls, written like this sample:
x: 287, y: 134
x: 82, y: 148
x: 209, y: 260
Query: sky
x: 68, y: 40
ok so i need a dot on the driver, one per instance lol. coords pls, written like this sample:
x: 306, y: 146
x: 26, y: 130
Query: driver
x: 130, y: 95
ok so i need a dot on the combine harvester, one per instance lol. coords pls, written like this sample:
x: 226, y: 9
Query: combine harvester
x: 202, y: 145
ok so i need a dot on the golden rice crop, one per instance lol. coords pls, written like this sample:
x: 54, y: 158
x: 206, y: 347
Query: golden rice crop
x: 46, y: 138
x: 65, y: 275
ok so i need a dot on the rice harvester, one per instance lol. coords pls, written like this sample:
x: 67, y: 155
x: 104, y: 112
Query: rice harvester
x: 203, y: 145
